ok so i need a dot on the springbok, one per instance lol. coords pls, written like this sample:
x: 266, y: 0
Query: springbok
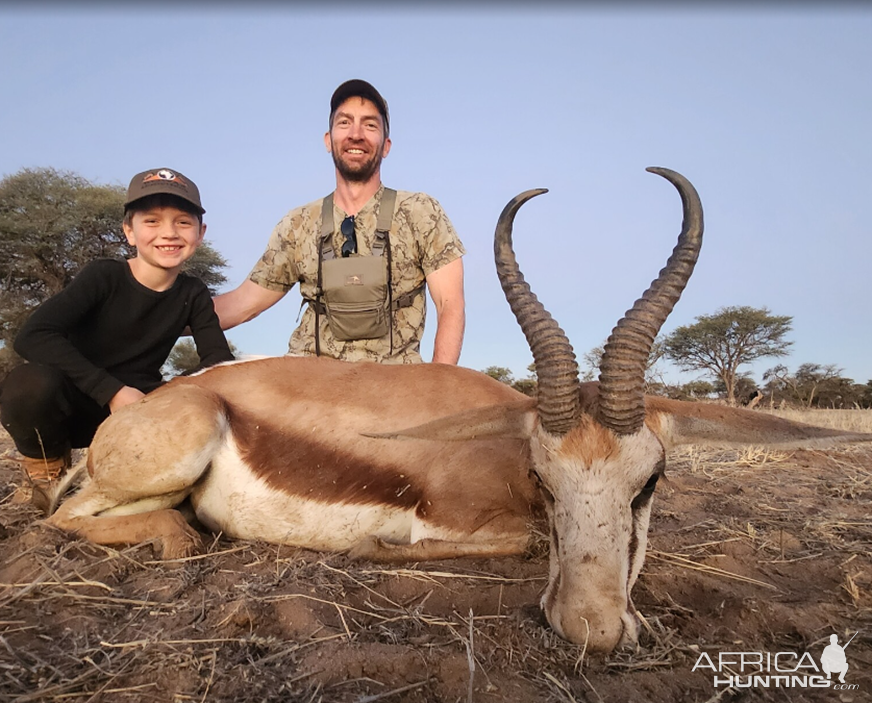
x: 428, y: 461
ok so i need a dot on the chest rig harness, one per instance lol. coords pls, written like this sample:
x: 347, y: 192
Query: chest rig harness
x: 355, y: 292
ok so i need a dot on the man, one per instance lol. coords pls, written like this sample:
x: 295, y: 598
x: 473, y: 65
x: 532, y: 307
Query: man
x: 361, y: 260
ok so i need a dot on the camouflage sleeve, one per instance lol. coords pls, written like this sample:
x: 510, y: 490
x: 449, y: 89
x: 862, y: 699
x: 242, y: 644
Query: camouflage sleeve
x: 276, y: 270
x: 436, y: 236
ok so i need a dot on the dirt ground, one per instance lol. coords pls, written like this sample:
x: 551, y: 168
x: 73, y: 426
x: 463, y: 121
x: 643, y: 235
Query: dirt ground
x: 749, y: 551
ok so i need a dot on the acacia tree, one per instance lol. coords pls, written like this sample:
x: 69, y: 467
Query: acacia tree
x: 812, y: 384
x: 54, y: 222
x: 527, y: 386
x: 864, y: 395
x: 722, y: 342
x: 744, y: 390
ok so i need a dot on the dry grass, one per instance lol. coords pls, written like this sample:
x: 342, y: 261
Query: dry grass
x: 153, y: 640
x: 857, y: 420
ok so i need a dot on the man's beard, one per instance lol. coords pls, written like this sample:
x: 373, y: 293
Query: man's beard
x: 357, y: 173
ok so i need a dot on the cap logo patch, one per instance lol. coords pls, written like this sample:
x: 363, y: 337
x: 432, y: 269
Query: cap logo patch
x: 164, y: 175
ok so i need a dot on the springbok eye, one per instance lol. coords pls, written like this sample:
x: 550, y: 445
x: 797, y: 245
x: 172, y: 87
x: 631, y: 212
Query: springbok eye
x: 652, y: 483
x: 644, y: 496
x: 546, y: 495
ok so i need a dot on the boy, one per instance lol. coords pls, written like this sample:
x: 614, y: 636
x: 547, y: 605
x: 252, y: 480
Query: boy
x: 99, y: 344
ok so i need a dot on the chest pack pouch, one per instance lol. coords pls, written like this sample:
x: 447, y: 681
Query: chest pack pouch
x: 355, y: 292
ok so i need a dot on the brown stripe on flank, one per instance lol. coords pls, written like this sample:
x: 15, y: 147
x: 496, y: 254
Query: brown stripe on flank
x: 304, y: 466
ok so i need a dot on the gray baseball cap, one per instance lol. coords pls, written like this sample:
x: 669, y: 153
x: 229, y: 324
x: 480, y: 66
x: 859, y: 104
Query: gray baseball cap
x: 163, y: 180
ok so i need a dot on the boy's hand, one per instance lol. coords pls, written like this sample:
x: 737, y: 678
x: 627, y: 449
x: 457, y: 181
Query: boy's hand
x: 125, y: 396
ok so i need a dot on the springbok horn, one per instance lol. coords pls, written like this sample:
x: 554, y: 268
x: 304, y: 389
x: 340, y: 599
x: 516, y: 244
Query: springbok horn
x: 556, y: 368
x: 622, y: 370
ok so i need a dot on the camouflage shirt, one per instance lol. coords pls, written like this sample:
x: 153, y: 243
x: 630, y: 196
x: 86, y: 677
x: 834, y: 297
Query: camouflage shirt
x: 422, y: 241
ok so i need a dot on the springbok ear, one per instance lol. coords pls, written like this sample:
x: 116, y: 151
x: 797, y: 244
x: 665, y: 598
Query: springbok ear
x: 512, y: 421
x: 680, y: 422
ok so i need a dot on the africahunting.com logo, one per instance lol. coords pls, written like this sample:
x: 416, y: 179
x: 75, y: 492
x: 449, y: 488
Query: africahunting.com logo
x: 780, y: 669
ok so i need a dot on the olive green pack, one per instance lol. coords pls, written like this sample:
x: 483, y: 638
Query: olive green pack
x: 355, y: 291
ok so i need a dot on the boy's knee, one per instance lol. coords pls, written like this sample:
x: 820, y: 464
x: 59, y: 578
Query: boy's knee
x: 31, y: 385
x: 32, y: 399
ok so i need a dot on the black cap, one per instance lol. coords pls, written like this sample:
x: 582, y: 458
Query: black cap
x: 163, y: 180
x: 357, y: 88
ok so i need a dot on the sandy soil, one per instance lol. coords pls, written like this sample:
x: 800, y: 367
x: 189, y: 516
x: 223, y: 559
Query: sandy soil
x: 749, y: 551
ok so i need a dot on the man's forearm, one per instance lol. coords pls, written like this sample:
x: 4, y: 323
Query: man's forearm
x: 449, y: 334
x: 244, y: 303
x: 229, y: 312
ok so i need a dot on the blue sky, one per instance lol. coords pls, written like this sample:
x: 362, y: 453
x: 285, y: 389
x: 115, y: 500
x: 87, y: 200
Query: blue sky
x: 766, y: 109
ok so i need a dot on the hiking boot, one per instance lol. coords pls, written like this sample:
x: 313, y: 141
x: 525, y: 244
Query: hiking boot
x: 41, y: 476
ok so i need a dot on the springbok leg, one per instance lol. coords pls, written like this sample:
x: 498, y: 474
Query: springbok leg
x: 144, y: 460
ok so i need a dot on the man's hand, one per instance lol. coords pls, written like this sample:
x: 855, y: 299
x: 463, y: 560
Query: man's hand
x: 125, y: 396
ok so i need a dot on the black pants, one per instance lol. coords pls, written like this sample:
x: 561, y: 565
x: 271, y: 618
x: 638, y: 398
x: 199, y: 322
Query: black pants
x: 45, y: 413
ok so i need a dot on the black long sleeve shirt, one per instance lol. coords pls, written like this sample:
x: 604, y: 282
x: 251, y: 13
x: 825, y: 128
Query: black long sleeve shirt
x: 106, y: 330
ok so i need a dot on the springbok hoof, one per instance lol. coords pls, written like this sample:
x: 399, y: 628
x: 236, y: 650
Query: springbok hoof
x: 180, y: 546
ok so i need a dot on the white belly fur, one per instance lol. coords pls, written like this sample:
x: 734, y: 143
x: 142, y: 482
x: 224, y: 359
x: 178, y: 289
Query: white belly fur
x: 232, y: 499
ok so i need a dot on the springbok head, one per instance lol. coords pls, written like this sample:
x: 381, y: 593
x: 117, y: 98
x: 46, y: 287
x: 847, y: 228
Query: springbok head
x: 596, y: 459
